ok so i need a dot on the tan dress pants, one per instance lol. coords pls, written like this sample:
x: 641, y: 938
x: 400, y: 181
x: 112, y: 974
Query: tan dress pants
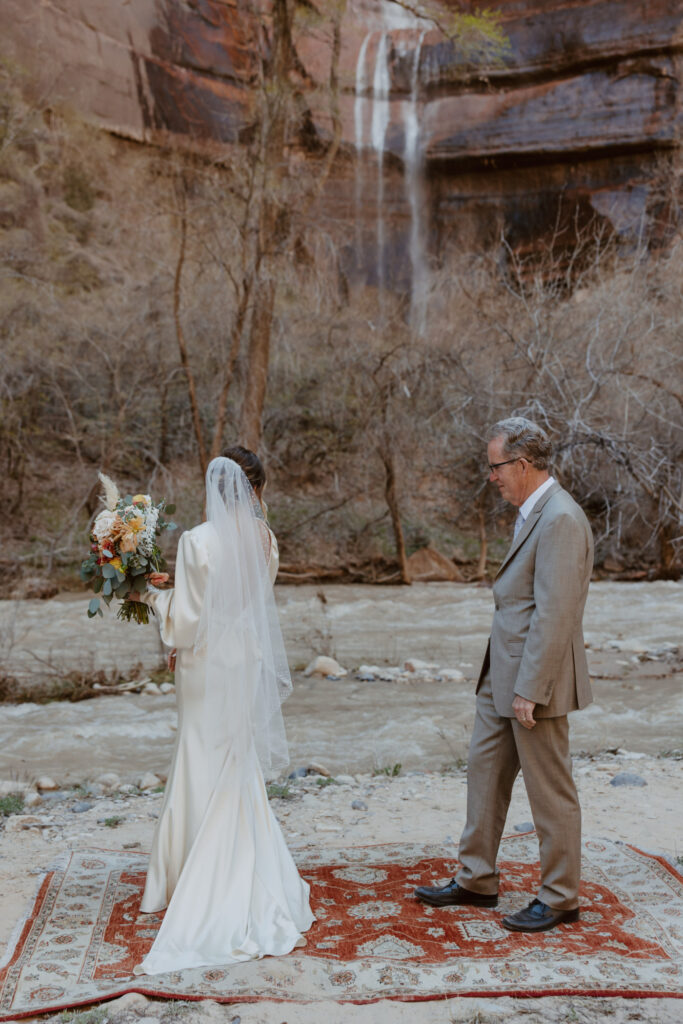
x: 499, y: 748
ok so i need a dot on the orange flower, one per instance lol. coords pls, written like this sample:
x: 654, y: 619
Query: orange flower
x: 129, y: 541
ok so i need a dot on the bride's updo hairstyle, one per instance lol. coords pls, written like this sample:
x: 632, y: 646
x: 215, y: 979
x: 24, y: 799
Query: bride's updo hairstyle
x: 250, y: 464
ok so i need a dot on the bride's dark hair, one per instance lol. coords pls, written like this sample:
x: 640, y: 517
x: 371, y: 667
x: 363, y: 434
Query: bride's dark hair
x: 250, y: 463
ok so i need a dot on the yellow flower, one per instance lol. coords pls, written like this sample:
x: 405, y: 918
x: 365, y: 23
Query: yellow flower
x: 135, y: 524
x: 117, y: 563
x: 129, y: 541
x: 144, y: 498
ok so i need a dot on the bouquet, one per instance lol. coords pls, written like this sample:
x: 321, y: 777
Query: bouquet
x: 124, y: 553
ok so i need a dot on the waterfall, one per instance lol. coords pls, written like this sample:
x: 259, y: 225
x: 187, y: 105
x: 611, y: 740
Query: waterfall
x: 381, y: 84
x: 359, y: 117
x: 412, y: 162
x: 372, y: 115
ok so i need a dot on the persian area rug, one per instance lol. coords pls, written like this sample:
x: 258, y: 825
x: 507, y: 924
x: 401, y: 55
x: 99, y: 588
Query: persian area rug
x: 372, y: 939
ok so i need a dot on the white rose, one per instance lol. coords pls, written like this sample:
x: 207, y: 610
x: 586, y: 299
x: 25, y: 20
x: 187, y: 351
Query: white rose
x: 104, y: 523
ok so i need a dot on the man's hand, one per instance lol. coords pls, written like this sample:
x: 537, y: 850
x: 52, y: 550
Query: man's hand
x: 524, y: 711
x: 170, y: 661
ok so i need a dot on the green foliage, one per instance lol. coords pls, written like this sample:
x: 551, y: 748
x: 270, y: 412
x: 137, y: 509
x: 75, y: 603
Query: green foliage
x: 279, y: 791
x: 324, y: 782
x: 392, y: 771
x: 13, y: 803
x: 113, y: 822
x: 97, y: 1015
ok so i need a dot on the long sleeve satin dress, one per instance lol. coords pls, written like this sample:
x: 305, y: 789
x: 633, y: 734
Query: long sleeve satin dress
x: 219, y: 862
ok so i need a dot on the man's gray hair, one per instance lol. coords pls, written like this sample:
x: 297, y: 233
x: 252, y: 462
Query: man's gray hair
x: 524, y: 438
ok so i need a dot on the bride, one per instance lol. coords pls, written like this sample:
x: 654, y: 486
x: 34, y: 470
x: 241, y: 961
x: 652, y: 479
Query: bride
x: 219, y: 862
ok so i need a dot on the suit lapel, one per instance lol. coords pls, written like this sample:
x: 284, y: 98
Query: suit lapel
x: 529, y: 524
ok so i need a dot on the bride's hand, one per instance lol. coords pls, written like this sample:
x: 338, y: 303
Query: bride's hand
x: 157, y: 579
x: 170, y: 661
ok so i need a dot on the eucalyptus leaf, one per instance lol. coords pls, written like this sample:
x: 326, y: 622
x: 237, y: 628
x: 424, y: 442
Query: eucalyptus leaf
x: 107, y: 588
x: 122, y: 589
x: 107, y: 598
x: 170, y: 509
x: 108, y: 571
x: 94, y: 607
x: 97, y: 585
x: 120, y: 576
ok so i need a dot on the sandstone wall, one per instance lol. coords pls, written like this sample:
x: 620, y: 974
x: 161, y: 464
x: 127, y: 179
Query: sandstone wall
x: 584, y: 113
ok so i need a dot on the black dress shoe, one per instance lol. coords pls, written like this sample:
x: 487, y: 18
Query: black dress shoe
x: 453, y: 895
x: 538, y: 917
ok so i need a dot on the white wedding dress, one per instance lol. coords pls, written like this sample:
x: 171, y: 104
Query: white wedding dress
x: 219, y: 862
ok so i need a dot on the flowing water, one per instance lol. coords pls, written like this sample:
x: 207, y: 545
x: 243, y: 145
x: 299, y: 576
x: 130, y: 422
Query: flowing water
x: 391, y: 29
x: 347, y: 724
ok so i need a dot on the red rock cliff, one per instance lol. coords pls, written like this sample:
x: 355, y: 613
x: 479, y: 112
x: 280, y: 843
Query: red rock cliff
x: 583, y: 113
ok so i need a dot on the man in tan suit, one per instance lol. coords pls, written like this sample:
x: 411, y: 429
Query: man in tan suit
x: 533, y: 674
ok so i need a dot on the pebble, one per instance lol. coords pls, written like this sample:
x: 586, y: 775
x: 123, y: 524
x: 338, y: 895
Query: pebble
x: 628, y: 779
x: 319, y: 769
x: 32, y: 799
x: 80, y: 806
x: 359, y: 805
x: 322, y: 826
x: 149, y: 781
x: 298, y: 773
x: 93, y: 789
x: 524, y: 826
x: 45, y: 782
x: 152, y: 689
x: 167, y: 688
x: 345, y: 780
x: 324, y: 666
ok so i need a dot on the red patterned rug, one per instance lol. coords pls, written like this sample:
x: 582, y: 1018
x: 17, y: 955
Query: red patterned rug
x: 371, y: 941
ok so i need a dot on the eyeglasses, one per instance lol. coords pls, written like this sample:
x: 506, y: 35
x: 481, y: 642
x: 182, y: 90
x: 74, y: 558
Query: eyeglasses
x: 496, y: 465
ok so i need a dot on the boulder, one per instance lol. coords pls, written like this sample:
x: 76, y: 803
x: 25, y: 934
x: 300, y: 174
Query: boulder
x: 46, y: 784
x: 149, y: 781
x: 110, y: 781
x: 420, y: 667
x: 22, y: 822
x: 324, y: 666
x: 427, y: 565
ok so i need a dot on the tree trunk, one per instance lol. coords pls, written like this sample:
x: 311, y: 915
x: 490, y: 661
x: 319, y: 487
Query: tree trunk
x: 180, y: 337
x: 222, y: 407
x: 257, y: 367
x: 394, y: 511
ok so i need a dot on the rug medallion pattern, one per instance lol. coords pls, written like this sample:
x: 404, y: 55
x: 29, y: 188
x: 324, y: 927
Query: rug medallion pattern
x: 372, y: 939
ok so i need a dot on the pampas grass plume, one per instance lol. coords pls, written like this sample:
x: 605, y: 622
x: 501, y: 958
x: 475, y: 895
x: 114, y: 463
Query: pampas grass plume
x: 111, y: 491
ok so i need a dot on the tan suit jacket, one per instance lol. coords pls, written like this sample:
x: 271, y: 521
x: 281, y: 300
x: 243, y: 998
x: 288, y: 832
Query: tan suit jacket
x: 536, y: 648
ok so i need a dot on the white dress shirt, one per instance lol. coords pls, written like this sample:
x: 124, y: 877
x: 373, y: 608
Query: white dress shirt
x: 526, y: 507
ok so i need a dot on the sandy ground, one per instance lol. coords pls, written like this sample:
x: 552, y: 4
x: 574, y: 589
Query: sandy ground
x: 353, y: 727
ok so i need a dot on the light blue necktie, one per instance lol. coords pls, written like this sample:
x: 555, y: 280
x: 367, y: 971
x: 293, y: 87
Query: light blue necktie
x: 519, y: 523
